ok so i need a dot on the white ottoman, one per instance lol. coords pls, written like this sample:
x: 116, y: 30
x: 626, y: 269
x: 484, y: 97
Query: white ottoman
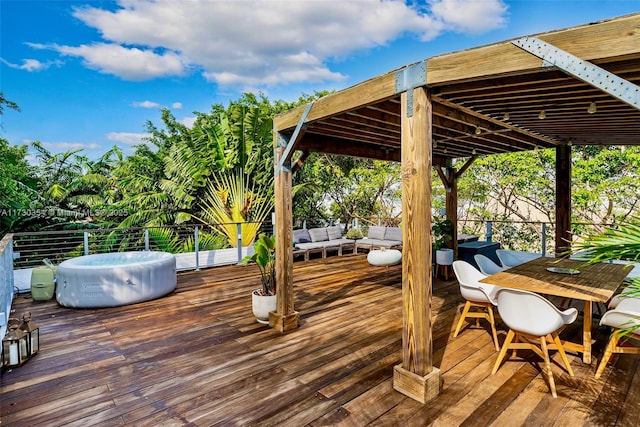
x: 384, y: 257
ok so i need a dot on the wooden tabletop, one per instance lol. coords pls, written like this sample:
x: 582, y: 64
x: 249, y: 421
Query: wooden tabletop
x: 596, y: 283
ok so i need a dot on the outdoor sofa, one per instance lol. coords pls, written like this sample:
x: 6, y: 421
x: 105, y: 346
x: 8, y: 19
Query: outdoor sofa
x: 381, y: 237
x: 320, y: 240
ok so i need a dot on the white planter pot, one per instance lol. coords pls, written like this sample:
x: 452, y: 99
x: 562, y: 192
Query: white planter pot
x: 262, y: 306
x: 444, y: 256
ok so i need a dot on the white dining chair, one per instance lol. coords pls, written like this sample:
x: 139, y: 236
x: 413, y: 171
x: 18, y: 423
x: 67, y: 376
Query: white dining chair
x: 476, y: 294
x: 530, y: 318
x: 626, y: 315
x: 509, y: 258
x: 486, y: 265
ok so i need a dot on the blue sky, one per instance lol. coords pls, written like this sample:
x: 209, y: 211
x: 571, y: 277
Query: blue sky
x: 90, y: 74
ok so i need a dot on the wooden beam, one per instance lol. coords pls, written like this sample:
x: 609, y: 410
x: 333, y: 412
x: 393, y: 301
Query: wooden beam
x: 466, y: 166
x: 416, y: 376
x: 365, y: 93
x: 582, y: 70
x: 285, y: 318
x: 613, y: 38
x: 299, y: 161
x: 347, y: 147
x: 563, y: 199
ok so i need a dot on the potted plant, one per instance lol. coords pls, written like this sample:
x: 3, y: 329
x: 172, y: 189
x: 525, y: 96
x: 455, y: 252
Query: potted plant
x: 264, y: 299
x: 442, y: 234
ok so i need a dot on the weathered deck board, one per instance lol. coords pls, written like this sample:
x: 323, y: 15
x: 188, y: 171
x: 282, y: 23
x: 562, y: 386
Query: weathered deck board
x: 197, y: 357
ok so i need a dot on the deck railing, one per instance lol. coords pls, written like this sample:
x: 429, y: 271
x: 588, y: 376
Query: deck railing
x: 530, y: 236
x: 33, y: 247
x: 6, y: 281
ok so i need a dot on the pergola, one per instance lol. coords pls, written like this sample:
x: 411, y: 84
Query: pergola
x: 576, y: 86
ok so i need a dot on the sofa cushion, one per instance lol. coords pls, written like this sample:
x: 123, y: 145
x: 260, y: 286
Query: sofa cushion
x: 393, y: 233
x: 301, y: 236
x: 376, y: 232
x: 318, y: 234
x: 334, y: 232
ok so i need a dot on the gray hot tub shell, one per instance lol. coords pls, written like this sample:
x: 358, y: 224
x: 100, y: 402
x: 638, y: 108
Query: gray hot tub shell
x: 114, y: 279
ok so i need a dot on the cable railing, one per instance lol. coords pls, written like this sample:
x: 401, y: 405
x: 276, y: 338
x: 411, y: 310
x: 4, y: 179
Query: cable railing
x: 528, y: 236
x: 198, y: 240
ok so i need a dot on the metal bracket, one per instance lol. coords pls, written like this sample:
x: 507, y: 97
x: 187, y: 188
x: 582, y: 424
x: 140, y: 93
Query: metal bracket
x: 292, y: 140
x: 589, y: 73
x: 410, y: 78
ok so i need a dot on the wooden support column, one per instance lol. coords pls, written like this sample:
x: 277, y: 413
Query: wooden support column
x: 285, y: 318
x: 563, y: 199
x: 449, y: 179
x: 416, y: 377
x: 451, y: 205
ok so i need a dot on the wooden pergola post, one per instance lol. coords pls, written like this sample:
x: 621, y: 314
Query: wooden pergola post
x: 285, y: 318
x: 563, y: 199
x: 451, y: 205
x: 416, y: 377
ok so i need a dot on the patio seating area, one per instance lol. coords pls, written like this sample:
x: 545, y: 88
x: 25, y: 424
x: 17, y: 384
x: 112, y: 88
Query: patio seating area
x: 198, y: 357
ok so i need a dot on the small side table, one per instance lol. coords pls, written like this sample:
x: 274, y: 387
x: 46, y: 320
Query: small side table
x: 384, y: 257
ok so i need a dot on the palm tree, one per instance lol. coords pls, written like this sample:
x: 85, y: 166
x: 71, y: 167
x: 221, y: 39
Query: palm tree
x: 231, y: 200
x: 621, y: 242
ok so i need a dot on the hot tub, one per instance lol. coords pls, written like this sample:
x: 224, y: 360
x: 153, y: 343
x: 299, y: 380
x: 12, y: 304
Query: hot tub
x: 114, y: 279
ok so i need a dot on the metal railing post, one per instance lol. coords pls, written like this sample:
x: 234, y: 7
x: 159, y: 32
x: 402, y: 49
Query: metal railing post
x: 196, y: 243
x: 489, y: 231
x: 239, y: 241
x: 544, y: 238
x: 86, y: 243
x: 146, y: 239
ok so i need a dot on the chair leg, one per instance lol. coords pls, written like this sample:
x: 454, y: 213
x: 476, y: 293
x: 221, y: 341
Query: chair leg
x: 503, y: 351
x: 465, y: 311
x: 611, y: 346
x: 492, y: 320
x: 563, y: 355
x: 547, y: 365
x: 516, y: 339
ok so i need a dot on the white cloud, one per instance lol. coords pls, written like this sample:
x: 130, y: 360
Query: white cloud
x: 473, y: 16
x: 262, y: 43
x: 32, y: 65
x: 188, y: 121
x: 146, y: 104
x: 130, y: 63
x: 176, y: 105
x: 129, y: 138
x: 69, y: 146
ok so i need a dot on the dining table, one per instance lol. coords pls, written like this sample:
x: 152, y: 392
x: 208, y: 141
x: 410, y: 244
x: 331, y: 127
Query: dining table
x: 567, y: 278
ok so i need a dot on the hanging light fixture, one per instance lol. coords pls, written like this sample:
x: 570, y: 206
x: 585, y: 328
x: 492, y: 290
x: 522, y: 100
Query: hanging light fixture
x: 14, y: 345
x: 473, y: 151
x: 478, y: 130
x: 592, y: 108
x: 33, y: 334
x: 506, y: 116
x: 542, y: 115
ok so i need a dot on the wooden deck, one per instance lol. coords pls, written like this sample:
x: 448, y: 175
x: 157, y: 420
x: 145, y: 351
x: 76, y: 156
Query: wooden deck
x: 197, y: 357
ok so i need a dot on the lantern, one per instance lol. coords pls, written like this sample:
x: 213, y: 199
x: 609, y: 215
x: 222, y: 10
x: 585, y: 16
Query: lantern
x: 14, y: 345
x: 33, y: 334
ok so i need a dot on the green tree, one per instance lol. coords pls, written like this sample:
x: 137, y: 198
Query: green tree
x: 17, y: 186
x: 346, y: 188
